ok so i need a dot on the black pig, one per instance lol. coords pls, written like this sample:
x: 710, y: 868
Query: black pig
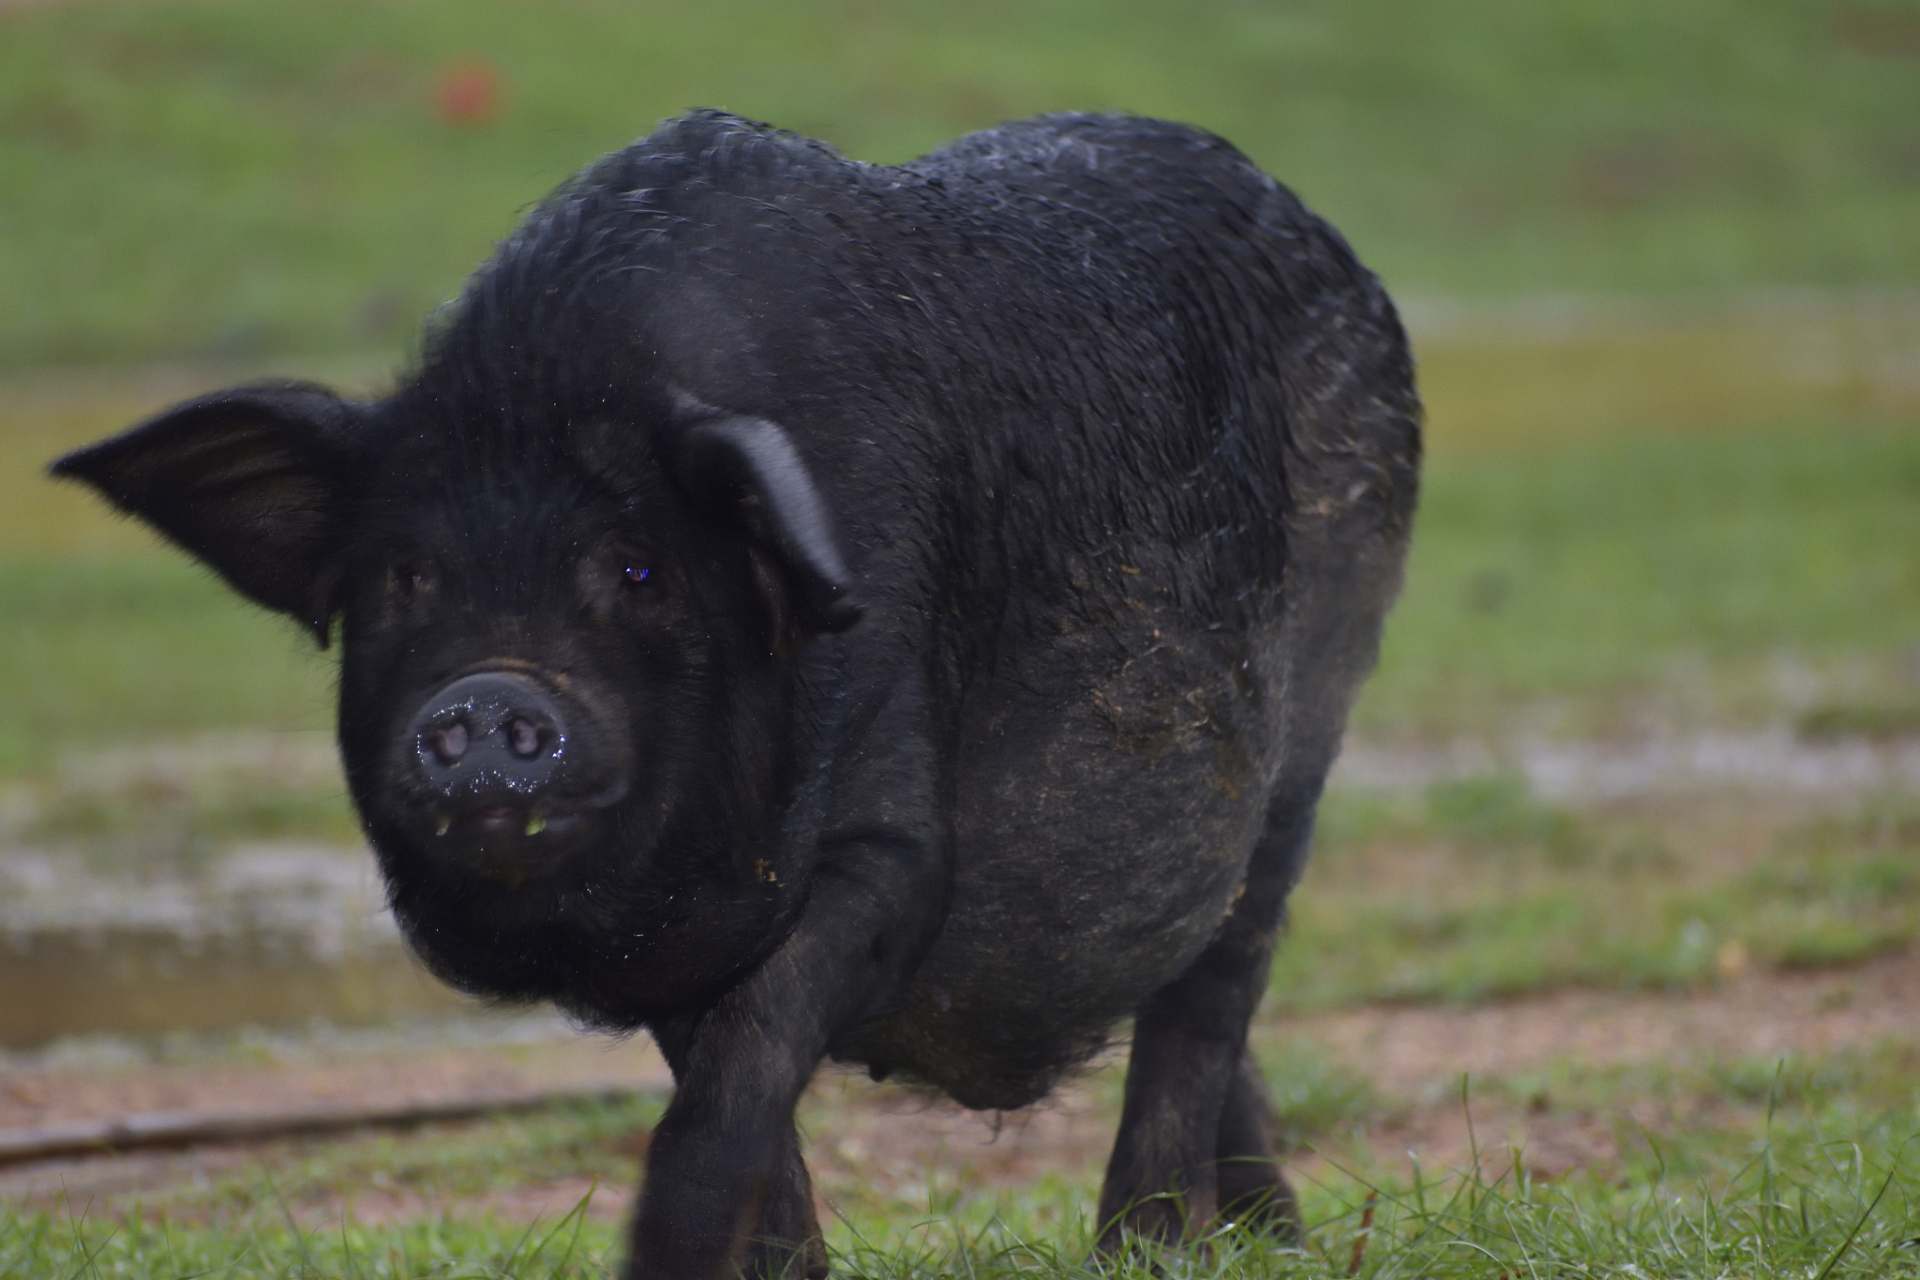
x: 812, y: 610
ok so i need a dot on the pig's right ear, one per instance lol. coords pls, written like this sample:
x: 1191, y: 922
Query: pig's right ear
x: 252, y: 481
x: 752, y: 464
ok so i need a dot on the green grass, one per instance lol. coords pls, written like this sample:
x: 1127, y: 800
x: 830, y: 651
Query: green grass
x: 216, y: 176
x: 247, y: 1224
x: 1846, y: 1211
x: 1592, y: 581
x: 80, y: 1249
x: 583, y: 1141
x: 1878, y: 721
x: 99, y: 651
x: 1479, y: 891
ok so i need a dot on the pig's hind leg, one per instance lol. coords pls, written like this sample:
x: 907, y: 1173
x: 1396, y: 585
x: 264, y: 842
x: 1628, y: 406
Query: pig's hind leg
x: 1195, y: 1135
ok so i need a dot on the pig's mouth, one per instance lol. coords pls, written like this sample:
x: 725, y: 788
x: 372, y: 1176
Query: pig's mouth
x: 506, y: 843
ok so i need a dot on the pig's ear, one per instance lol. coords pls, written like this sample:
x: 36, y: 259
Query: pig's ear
x: 752, y: 463
x: 251, y: 481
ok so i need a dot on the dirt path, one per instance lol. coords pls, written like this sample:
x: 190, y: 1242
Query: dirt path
x: 1761, y: 1015
x: 49, y: 1095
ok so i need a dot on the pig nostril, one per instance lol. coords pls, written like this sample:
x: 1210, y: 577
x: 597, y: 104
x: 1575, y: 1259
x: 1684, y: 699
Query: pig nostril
x: 450, y: 743
x: 524, y: 737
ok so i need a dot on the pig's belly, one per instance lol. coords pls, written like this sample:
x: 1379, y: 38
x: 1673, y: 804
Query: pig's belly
x: 1101, y: 839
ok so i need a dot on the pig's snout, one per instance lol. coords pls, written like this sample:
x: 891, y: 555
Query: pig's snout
x: 492, y: 736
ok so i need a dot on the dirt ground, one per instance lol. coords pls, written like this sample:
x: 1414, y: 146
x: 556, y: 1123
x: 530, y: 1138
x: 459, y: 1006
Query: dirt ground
x: 1760, y: 1015
x: 866, y: 1140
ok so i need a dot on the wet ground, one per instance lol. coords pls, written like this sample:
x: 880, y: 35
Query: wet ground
x: 265, y: 935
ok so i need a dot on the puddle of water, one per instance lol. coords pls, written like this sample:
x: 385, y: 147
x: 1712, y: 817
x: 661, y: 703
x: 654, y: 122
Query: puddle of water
x: 196, y: 886
x: 146, y: 983
x: 1538, y: 372
x: 271, y: 936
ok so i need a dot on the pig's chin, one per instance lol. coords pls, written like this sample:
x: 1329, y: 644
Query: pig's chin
x: 509, y: 845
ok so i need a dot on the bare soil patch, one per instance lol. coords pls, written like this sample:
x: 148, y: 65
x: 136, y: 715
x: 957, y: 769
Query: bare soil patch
x: 1408, y: 1050
x: 47, y: 1095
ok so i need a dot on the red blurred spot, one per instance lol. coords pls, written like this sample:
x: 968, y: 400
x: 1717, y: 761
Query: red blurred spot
x: 469, y: 93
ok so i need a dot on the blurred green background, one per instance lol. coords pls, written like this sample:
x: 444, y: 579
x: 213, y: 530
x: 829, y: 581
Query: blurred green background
x: 217, y: 177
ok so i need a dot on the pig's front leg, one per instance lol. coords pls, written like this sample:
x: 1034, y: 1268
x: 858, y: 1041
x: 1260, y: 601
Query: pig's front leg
x: 725, y: 1164
x: 785, y: 1239
x: 726, y: 1191
x: 715, y: 1205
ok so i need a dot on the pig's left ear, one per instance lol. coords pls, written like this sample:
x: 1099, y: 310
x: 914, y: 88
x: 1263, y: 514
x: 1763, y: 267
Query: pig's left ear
x: 251, y: 481
x: 752, y: 463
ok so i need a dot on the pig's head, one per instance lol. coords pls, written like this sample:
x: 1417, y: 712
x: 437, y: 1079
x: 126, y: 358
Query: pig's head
x: 568, y: 625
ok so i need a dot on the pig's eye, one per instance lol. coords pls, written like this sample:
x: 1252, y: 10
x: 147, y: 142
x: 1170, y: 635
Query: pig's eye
x: 623, y: 580
x: 640, y: 581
